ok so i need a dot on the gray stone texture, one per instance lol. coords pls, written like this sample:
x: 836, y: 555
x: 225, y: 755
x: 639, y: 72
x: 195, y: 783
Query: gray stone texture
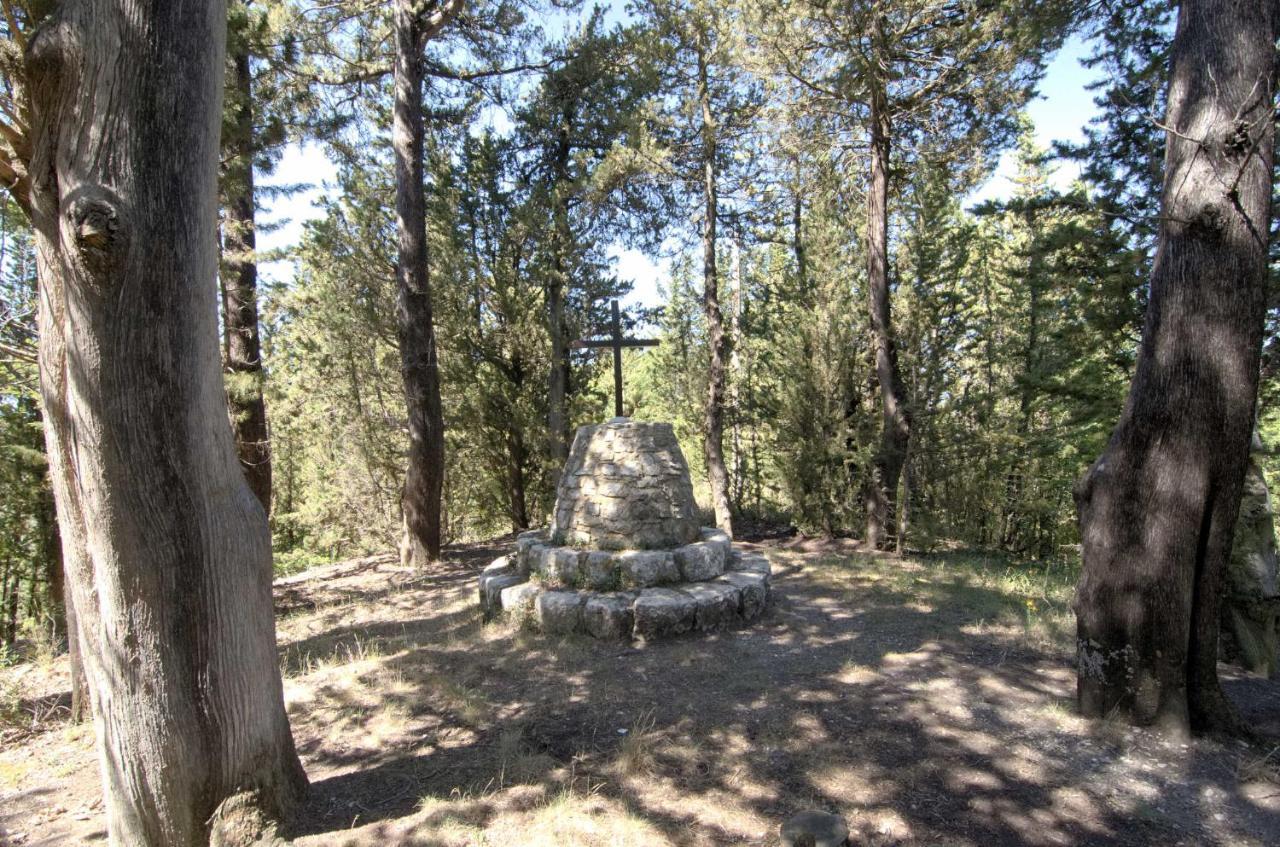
x: 643, y: 568
x: 700, y: 561
x: 625, y: 557
x: 815, y: 829
x: 1251, y: 581
x: 561, y: 566
x: 662, y: 612
x: 625, y: 486
x: 500, y: 575
x: 717, y: 605
x: 609, y: 616
x: 559, y: 612
x: 711, y: 535
x: 524, y: 542
x: 750, y: 563
x: 753, y: 591
x: 600, y: 571
x: 518, y: 599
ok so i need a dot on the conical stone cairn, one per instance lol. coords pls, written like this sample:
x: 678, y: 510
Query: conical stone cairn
x: 624, y: 556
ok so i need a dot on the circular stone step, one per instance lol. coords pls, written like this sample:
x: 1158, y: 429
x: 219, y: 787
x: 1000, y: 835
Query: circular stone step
x: 613, y: 570
x: 737, y: 596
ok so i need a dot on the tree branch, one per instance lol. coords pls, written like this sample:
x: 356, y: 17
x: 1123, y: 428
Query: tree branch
x: 439, y: 19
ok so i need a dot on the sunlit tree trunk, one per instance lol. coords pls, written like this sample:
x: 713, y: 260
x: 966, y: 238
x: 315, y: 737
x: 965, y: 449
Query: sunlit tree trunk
x: 1158, y: 509
x: 415, y: 326
x: 713, y: 418
x: 558, y: 423
x: 167, y: 550
x: 882, y: 485
x: 242, y: 353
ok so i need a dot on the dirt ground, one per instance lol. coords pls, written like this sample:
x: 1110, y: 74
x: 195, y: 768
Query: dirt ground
x: 927, y: 700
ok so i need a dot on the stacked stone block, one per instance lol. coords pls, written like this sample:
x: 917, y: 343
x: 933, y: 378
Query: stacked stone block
x: 625, y: 486
x: 625, y: 557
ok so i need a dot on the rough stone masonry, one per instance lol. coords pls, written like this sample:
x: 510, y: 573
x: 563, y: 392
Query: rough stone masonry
x: 624, y: 556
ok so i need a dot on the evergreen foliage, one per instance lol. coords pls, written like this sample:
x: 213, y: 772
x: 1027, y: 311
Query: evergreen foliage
x: 557, y: 135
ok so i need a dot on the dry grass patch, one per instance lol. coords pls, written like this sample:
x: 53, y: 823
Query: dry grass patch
x: 578, y: 815
x: 636, y: 753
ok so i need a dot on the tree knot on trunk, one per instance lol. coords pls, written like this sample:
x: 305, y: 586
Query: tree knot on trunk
x: 1208, y: 222
x: 101, y: 239
x: 1238, y: 141
x: 54, y: 46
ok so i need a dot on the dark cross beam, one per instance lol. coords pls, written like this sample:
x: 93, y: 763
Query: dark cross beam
x: 617, y: 342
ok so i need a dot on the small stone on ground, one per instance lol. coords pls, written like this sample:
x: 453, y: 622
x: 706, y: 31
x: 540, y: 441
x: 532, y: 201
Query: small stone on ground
x: 815, y: 829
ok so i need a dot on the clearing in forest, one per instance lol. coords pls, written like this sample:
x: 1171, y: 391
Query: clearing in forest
x: 928, y: 700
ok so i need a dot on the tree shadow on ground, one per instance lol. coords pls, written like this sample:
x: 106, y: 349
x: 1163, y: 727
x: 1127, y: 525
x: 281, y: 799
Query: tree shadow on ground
x: 901, y: 695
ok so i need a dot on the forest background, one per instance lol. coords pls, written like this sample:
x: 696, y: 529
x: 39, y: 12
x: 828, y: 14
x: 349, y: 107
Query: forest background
x: 555, y: 148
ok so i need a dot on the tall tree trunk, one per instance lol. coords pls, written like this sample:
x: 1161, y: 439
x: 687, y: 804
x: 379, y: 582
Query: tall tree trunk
x: 1158, y: 509
x: 882, y: 484
x: 557, y: 290
x: 167, y: 550
x: 1014, y: 521
x: 797, y: 236
x: 415, y: 328
x: 9, y: 602
x: 242, y: 354
x: 713, y: 420
x: 738, y: 492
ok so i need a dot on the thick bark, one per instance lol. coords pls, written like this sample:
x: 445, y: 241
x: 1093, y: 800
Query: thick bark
x: 1157, y: 510
x: 167, y: 550
x: 242, y: 353
x: 886, y: 468
x: 717, y: 347
x: 415, y: 327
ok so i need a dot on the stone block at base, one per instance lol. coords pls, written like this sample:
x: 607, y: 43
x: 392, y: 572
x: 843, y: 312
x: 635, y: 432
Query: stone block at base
x: 717, y: 605
x: 600, y: 571
x: 559, y: 612
x: 643, y: 568
x: 662, y: 612
x: 700, y: 561
x: 751, y: 563
x: 609, y: 616
x: 518, y: 599
x: 753, y: 591
x: 493, y: 583
x: 560, y: 566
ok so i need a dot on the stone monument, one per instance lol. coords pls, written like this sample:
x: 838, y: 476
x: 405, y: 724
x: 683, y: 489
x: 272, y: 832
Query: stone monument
x: 624, y: 556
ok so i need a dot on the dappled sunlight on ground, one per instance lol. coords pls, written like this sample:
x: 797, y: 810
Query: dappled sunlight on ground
x: 927, y: 700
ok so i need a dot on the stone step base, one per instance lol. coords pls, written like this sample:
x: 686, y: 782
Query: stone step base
x: 558, y: 566
x: 735, y: 597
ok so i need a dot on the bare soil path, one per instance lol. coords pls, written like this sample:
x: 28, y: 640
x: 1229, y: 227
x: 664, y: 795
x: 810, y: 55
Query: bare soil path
x: 928, y: 700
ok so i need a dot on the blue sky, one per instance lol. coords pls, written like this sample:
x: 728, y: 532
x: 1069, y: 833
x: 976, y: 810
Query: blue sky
x: 1059, y: 113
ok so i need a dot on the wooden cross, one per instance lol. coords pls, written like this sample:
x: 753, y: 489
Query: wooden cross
x: 617, y: 342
